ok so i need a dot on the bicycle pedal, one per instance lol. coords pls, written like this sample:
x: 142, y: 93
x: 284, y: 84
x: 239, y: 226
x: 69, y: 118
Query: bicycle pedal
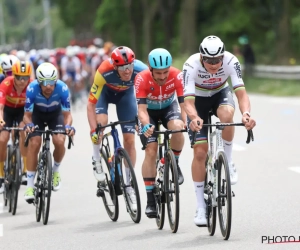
x: 233, y: 195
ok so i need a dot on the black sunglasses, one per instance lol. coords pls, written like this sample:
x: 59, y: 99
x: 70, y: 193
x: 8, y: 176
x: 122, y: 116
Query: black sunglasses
x: 25, y: 78
x: 212, y: 60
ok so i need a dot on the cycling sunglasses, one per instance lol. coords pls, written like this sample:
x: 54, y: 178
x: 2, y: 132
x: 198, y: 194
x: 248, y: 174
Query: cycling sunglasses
x: 25, y: 78
x: 212, y: 60
x: 47, y: 82
x: 126, y: 66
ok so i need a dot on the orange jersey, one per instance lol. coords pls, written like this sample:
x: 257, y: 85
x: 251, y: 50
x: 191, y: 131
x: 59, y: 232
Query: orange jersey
x: 9, y: 96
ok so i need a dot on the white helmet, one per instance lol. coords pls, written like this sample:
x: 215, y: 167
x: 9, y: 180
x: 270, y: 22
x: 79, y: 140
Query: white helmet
x: 8, y: 61
x: 46, y: 72
x: 212, y: 46
x: 21, y: 54
x: 70, y: 52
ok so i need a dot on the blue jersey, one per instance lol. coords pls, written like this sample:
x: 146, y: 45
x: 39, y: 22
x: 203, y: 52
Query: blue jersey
x: 58, y: 100
x: 2, y: 77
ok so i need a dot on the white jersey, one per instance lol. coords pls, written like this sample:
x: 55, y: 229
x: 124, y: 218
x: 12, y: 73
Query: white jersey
x: 71, y: 64
x: 198, y: 82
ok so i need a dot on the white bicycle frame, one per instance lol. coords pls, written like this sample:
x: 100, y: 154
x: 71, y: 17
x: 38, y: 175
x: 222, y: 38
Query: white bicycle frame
x: 213, y: 153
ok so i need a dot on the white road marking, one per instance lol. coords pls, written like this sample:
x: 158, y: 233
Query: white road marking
x: 237, y: 147
x: 1, y: 208
x: 295, y: 169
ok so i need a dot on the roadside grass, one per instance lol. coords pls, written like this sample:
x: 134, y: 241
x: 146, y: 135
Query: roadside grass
x: 275, y: 87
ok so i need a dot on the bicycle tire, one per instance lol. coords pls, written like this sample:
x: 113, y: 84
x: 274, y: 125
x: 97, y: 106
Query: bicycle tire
x: 38, y: 194
x: 47, y: 188
x: 160, y: 203
x: 6, y: 193
x: 134, y: 215
x: 211, y: 212
x: 171, y: 184
x: 109, y: 192
x: 224, y: 189
x: 17, y: 180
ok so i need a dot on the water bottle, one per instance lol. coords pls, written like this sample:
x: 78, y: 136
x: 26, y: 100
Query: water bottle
x: 161, y: 168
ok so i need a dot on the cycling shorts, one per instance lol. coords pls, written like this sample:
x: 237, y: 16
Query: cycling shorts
x: 204, y: 105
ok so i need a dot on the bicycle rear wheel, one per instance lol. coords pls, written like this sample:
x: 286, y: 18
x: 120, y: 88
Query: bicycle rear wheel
x: 211, y: 211
x: 47, y: 187
x: 109, y: 197
x: 7, y: 171
x: 129, y: 186
x: 16, y: 180
x: 224, y: 196
x: 38, y: 201
x: 160, y: 204
x: 172, y: 190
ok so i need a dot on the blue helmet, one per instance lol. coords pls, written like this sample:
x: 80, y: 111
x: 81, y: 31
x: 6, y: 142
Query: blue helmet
x: 160, y: 59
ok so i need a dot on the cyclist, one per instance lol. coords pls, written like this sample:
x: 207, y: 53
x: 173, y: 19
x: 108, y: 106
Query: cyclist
x: 12, y: 102
x: 155, y: 92
x: 205, y: 78
x: 47, y: 102
x: 113, y: 83
x: 7, y: 61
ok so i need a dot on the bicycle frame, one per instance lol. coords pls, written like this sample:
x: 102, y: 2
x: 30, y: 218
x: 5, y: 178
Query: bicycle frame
x: 213, y: 152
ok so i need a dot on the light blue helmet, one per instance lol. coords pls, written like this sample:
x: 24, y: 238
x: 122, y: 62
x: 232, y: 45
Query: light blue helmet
x: 160, y: 59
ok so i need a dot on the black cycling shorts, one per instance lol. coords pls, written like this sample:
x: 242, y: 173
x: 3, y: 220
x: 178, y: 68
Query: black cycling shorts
x: 204, y: 105
x: 54, y: 120
x: 12, y: 114
x: 172, y: 112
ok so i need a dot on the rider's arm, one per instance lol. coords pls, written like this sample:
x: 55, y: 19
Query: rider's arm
x: 65, y: 104
x: 143, y: 114
x: 179, y: 92
x: 27, y: 117
x: 3, y: 90
x: 95, y: 93
x: 243, y: 100
x: 189, y: 91
x: 238, y: 85
x: 141, y: 98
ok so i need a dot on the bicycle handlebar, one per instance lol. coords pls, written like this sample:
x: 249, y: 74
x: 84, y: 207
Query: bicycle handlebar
x: 50, y: 132
x: 112, y: 124
x: 11, y: 128
x: 221, y: 126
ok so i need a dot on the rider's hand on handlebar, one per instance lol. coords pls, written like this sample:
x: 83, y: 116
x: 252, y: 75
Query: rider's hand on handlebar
x: 196, y: 124
x: 29, y: 127
x: 95, y: 137
x: 70, y: 130
x: 248, y: 121
x: 2, y: 123
x: 148, y: 130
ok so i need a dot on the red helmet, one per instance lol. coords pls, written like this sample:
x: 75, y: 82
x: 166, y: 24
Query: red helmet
x: 122, y: 55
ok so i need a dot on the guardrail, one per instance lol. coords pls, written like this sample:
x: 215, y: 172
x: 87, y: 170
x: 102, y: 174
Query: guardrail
x: 277, y: 72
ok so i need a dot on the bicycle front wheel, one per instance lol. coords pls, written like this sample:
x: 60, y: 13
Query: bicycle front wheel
x: 7, y: 178
x: 129, y: 185
x: 211, y: 211
x: 47, y: 187
x: 38, y: 201
x: 16, y: 180
x: 224, y: 196
x: 172, y: 190
x: 107, y: 189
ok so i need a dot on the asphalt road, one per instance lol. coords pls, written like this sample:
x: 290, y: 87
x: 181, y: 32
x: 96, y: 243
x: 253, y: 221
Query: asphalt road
x: 266, y: 204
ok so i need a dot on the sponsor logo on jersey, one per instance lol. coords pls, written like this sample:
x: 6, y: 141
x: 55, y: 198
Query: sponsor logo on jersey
x: 170, y: 86
x: 212, y: 80
x: 204, y: 76
x: 94, y: 89
x: 137, y: 83
x: 200, y: 71
x: 108, y: 73
x: 160, y: 97
x: 186, y: 64
x: 238, y: 70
